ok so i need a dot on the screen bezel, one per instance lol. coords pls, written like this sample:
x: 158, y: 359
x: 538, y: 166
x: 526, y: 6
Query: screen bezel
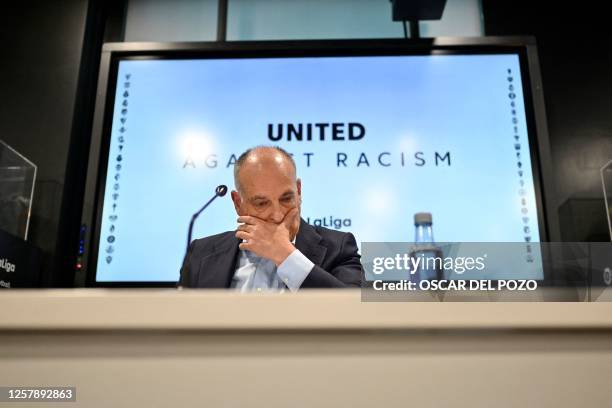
x: 113, y: 53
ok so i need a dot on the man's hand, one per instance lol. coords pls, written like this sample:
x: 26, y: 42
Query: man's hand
x: 266, y: 239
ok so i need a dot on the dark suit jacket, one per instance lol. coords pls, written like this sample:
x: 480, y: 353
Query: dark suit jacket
x: 211, y: 261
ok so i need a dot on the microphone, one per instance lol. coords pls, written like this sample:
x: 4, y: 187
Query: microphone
x: 220, y: 191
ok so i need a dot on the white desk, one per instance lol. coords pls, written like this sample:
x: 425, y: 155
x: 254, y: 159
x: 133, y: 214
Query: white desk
x: 158, y: 348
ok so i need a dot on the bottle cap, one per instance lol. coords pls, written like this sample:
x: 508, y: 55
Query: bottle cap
x: 422, y: 218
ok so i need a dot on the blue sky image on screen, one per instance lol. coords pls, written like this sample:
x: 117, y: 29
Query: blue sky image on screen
x: 444, y: 134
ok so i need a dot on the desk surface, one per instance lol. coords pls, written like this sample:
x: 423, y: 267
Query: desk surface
x: 120, y: 309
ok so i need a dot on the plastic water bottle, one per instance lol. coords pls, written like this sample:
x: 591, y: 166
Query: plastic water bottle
x: 430, y: 267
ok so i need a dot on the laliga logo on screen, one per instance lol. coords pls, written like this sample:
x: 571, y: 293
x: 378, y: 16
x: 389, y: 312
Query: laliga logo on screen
x: 7, y: 266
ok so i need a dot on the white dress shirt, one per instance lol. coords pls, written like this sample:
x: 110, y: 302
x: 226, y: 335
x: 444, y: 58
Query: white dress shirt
x: 254, y: 273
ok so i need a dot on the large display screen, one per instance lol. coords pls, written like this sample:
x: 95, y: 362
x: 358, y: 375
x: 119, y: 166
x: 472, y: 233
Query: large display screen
x: 375, y: 139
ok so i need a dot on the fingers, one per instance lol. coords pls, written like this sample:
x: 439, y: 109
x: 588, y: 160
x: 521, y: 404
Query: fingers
x: 243, y: 235
x: 247, y: 219
x: 245, y: 228
x: 244, y: 246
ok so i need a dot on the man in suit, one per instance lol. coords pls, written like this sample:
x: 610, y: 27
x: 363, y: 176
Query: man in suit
x: 273, y: 248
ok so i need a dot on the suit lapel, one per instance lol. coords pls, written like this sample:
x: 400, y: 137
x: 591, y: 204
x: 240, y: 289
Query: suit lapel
x: 308, y: 243
x: 217, y: 269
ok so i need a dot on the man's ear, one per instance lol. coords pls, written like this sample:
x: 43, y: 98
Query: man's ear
x: 237, y: 201
x: 299, y: 186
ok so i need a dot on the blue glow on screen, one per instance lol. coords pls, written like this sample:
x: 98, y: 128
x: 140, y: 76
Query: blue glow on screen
x: 444, y: 134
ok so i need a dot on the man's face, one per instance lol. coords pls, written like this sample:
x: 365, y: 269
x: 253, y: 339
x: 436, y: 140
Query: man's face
x: 269, y: 190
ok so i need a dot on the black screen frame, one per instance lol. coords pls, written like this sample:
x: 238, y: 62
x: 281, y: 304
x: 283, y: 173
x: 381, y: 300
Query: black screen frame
x: 112, y: 53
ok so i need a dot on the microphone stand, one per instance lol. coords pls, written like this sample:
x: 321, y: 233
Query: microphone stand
x: 219, y: 192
